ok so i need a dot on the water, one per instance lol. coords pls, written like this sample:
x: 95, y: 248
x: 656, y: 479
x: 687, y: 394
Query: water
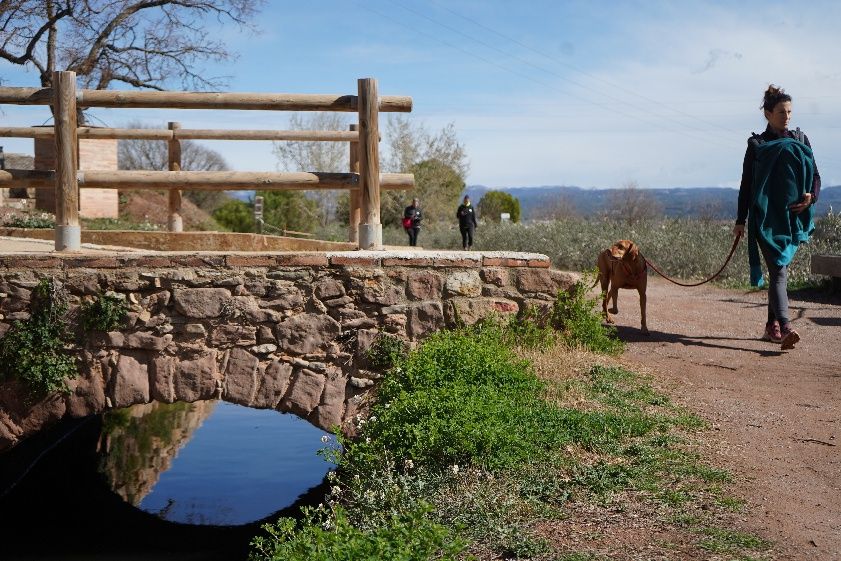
x: 239, y: 466
x: 157, y: 481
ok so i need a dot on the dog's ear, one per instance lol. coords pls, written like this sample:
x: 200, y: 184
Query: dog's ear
x: 618, y: 249
x: 634, y: 251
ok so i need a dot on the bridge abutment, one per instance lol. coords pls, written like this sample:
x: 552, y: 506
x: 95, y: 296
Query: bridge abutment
x: 286, y: 331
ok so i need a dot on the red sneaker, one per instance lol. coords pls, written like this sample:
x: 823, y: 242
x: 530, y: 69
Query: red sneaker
x: 790, y: 337
x: 772, y: 332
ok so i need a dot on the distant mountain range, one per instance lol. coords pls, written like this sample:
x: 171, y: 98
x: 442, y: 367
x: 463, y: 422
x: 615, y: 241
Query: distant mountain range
x: 695, y: 202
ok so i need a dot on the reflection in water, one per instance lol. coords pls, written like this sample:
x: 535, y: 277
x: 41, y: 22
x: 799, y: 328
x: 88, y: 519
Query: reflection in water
x: 139, y: 443
x: 209, y: 462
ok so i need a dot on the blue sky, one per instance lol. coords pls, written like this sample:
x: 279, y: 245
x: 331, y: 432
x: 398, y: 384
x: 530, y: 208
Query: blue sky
x: 595, y: 94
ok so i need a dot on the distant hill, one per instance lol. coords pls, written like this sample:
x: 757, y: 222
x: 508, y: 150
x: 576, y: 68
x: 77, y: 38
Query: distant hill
x: 710, y: 202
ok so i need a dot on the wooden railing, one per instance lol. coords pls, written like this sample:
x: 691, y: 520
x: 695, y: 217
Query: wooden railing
x: 364, y: 179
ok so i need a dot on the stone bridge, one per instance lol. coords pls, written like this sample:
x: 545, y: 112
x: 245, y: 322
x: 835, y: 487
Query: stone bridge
x: 286, y: 331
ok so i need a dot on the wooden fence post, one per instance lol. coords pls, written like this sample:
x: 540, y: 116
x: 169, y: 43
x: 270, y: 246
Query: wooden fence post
x: 355, y: 194
x: 371, y: 232
x: 68, y: 232
x: 175, y: 222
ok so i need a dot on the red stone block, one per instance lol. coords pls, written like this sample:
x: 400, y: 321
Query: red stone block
x: 250, y: 260
x: 146, y: 262
x: 301, y: 260
x: 92, y: 263
x: 539, y: 263
x: 198, y: 261
x: 345, y: 261
x: 408, y: 262
x: 461, y: 263
x: 33, y: 262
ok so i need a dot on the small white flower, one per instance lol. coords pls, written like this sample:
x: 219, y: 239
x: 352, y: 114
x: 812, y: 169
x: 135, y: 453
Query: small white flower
x: 454, y: 468
x: 409, y: 464
x: 336, y: 490
x: 388, y: 405
x: 373, y: 419
x: 325, y: 439
x: 367, y: 440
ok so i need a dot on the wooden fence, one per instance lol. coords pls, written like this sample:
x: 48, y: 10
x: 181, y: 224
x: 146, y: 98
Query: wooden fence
x: 363, y: 180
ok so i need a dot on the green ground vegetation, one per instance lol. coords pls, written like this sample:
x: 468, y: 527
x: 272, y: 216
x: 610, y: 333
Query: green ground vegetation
x: 479, y: 435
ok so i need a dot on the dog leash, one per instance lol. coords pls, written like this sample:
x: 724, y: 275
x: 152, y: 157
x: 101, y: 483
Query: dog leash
x: 726, y: 261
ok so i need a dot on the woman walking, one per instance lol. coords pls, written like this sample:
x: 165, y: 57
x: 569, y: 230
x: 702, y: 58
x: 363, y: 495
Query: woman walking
x: 780, y: 184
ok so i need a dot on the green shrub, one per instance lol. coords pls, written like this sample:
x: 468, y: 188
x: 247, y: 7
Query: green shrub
x: 106, y: 313
x: 329, y: 536
x: 575, y: 315
x: 40, y: 221
x: 33, y: 351
x: 386, y: 351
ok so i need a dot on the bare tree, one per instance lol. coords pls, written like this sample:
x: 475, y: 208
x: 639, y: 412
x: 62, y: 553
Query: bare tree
x: 439, y: 162
x: 153, y: 155
x: 142, y: 43
x: 632, y: 205
x: 316, y: 156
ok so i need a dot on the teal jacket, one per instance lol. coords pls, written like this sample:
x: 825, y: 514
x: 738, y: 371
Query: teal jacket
x: 783, y: 172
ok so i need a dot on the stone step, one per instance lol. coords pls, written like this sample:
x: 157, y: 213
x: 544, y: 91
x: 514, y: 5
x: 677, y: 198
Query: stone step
x: 827, y: 265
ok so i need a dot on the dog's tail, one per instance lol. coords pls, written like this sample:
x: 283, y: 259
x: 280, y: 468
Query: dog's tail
x: 598, y: 278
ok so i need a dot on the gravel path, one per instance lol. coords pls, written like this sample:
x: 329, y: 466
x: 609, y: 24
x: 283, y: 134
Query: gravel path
x: 776, y: 415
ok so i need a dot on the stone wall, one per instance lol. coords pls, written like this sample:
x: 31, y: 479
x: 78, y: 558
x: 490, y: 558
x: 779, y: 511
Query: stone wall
x: 286, y: 331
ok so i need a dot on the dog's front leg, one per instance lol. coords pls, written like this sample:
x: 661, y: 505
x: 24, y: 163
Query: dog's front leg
x: 611, y: 295
x: 641, y: 289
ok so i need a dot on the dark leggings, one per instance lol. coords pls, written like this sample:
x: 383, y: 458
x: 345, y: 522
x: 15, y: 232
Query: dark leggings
x: 413, y: 236
x: 467, y: 237
x: 777, y: 295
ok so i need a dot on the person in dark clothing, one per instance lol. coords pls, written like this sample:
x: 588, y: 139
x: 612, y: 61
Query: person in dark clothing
x: 466, y: 215
x: 757, y: 178
x: 412, y: 220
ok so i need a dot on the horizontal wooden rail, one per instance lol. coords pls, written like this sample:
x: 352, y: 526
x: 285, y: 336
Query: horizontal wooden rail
x: 185, y: 134
x: 206, y: 100
x: 204, y: 180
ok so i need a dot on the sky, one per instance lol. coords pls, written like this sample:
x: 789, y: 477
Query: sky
x: 587, y: 93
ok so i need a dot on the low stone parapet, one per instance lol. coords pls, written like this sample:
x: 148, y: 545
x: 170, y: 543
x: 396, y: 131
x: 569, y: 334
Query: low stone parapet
x: 287, y: 331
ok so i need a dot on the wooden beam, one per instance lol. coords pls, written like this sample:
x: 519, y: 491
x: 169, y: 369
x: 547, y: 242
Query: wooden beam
x: 45, y: 179
x: 370, y: 234
x: 175, y: 223
x: 233, y: 100
x: 354, y: 197
x: 207, y: 100
x: 42, y: 179
x: 67, y: 231
x: 27, y: 132
x: 26, y: 96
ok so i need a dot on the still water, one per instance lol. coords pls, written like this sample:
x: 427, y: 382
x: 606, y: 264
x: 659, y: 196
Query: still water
x: 165, y: 480
x: 214, y: 462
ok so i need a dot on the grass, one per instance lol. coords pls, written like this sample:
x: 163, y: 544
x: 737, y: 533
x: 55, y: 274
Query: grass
x: 508, y: 440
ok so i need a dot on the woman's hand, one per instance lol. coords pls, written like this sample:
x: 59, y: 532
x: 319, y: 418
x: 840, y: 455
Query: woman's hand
x: 739, y: 230
x: 797, y: 208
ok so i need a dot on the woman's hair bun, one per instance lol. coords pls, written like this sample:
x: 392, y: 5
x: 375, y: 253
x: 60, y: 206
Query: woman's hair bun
x: 773, y: 96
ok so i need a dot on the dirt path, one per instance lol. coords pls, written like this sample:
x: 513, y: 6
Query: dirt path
x: 776, y: 415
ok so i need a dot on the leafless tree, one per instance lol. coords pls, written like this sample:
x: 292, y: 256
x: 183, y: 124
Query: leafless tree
x: 632, y: 205
x: 141, y: 43
x: 439, y: 161
x: 316, y: 156
x: 153, y: 155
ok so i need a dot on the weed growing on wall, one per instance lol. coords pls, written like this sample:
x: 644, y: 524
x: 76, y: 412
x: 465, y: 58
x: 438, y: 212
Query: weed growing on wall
x: 33, y: 351
x: 105, y: 313
x: 386, y: 351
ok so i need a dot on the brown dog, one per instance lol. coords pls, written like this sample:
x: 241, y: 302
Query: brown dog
x: 622, y: 266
